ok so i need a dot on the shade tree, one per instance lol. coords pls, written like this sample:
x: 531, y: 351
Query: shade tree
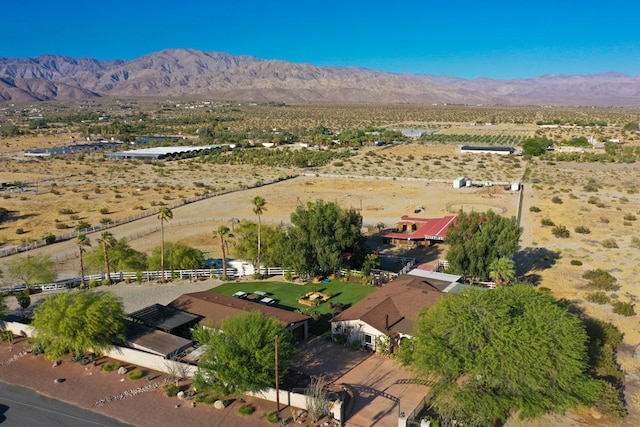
x: 78, y: 321
x: 478, y: 239
x: 495, y: 353
x: 32, y: 269
x: 239, y: 354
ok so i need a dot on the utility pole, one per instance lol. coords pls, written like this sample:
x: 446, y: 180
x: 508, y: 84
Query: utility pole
x: 277, y: 381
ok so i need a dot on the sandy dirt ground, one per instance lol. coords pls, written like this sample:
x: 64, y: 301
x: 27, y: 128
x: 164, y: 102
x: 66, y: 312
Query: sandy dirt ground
x: 603, y: 198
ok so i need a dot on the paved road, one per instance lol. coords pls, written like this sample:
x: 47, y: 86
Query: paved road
x: 21, y: 406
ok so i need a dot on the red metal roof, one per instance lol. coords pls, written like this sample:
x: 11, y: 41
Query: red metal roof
x: 426, y: 228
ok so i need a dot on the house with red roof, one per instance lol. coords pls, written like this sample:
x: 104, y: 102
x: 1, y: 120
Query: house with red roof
x: 418, y: 231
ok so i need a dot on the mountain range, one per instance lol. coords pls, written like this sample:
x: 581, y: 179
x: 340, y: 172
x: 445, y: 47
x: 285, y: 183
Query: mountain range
x: 188, y: 73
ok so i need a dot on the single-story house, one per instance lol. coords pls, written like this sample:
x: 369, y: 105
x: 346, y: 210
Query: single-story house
x: 418, y: 231
x: 386, y: 314
x: 216, y: 308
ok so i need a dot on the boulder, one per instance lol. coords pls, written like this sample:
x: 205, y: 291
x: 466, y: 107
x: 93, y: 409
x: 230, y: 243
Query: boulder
x: 219, y: 404
x: 122, y: 370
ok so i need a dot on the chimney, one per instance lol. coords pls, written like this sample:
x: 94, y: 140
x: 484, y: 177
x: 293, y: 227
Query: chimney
x: 386, y: 321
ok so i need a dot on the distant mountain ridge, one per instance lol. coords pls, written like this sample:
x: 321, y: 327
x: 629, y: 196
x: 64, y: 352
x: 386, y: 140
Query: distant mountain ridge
x: 198, y: 74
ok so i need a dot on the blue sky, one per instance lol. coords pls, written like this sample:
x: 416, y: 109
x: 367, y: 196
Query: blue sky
x: 457, y: 38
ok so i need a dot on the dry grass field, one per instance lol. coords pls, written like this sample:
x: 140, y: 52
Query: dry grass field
x: 383, y: 183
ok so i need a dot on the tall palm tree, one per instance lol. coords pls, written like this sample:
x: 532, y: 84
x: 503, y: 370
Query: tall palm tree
x: 259, y: 208
x: 224, y: 234
x: 164, y: 214
x: 82, y: 240
x: 107, y: 240
x: 502, y: 271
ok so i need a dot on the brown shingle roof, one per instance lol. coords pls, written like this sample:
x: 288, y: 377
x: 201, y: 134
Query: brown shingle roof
x: 217, y: 308
x: 400, y: 300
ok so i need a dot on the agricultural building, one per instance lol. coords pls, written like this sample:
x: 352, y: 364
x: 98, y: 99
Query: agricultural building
x: 418, y: 231
x: 158, y: 153
x: 486, y: 149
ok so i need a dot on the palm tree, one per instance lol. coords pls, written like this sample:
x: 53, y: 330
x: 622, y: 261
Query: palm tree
x: 223, y: 233
x: 107, y: 240
x: 164, y: 214
x: 259, y: 208
x: 502, y: 271
x: 82, y: 240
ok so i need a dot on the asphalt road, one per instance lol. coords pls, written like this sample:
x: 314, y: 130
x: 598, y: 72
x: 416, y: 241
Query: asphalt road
x: 20, y: 407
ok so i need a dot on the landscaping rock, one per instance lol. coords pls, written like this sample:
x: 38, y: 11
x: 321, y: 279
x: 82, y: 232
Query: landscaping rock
x: 122, y: 370
x: 180, y: 395
x: 218, y: 404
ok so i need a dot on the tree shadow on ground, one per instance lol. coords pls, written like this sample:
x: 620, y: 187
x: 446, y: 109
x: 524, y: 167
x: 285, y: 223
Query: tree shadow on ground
x: 530, y: 260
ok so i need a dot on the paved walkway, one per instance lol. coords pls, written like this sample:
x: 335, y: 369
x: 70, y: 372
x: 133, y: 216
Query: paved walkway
x: 340, y: 365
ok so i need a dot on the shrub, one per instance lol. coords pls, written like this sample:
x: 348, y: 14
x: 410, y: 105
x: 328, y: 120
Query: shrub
x: 630, y: 217
x: 601, y: 279
x: 136, y: 374
x: 20, y: 231
x: 635, y: 242
x: 598, y: 297
x: 604, y: 220
x: 272, y: 417
x: 104, y: 211
x: 61, y: 226
x: 107, y: 367
x: 623, y: 308
x: 576, y: 262
x: 609, y: 243
x: 581, y: 229
x: 557, y: 200
x: 561, y: 231
x: 246, y: 409
x: 65, y: 211
x: 610, y: 401
x: 49, y: 239
x: 534, y: 209
x: 547, y: 222
x: 592, y: 200
x: 171, y: 390
x: 94, y: 283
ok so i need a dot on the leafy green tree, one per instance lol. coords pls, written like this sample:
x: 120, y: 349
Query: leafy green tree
x: 32, y: 269
x: 78, y: 322
x: 82, y: 241
x: 246, y: 240
x: 122, y: 257
x: 536, y: 146
x: 479, y: 238
x: 240, y: 355
x: 502, y: 271
x: 107, y: 241
x: 319, y: 235
x: 24, y: 301
x: 259, y: 206
x: 494, y: 353
x: 178, y: 256
x: 164, y: 215
x: 223, y: 233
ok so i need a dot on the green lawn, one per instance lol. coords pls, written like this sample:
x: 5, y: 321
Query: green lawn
x: 286, y: 294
